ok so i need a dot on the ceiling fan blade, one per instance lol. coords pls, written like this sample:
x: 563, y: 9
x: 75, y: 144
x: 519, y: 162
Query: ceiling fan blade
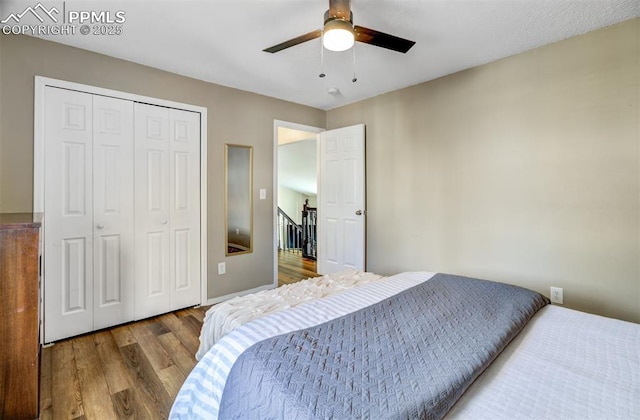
x: 295, y: 41
x: 340, y: 9
x: 380, y: 39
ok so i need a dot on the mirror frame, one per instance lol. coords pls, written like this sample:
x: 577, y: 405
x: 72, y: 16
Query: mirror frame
x: 229, y: 173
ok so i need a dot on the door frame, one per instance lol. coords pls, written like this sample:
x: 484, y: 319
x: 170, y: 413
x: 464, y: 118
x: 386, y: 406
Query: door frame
x: 295, y: 126
x: 41, y: 83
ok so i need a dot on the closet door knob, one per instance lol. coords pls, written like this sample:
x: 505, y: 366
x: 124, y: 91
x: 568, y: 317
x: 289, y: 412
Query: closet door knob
x: 100, y: 226
x: 164, y: 222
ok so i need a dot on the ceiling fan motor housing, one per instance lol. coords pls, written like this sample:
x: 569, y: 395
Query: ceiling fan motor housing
x: 338, y: 19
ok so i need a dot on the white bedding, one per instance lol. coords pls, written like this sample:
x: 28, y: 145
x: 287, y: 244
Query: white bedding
x: 220, y: 319
x: 564, y: 364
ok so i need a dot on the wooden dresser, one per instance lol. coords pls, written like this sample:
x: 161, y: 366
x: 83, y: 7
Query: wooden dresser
x: 19, y: 316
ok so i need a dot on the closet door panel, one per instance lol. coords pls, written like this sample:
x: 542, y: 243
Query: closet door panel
x: 185, y: 207
x: 68, y: 201
x: 114, y: 252
x: 122, y: 208
x: 152, y: 213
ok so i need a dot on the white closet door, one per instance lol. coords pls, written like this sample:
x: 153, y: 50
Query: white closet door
x: 185, y: 207
x: 152, y: 276
x: 112, y: 211
x: 68, y: 227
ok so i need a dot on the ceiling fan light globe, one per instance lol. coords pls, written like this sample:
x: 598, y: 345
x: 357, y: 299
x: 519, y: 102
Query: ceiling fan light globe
x: 338, y: 35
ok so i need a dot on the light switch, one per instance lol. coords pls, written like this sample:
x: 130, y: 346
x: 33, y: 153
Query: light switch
x: 263, y: 194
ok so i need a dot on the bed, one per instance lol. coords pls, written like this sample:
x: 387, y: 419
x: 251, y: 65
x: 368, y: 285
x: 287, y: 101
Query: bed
x: 420, y: 345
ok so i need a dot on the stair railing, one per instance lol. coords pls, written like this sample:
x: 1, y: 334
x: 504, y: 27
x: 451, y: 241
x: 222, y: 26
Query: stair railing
x: 289, y: 233
x: 309, y: 231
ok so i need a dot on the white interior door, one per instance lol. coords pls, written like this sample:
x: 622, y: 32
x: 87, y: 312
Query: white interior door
x: 151, y: 144
x: 68, y: 207
x: 341, y: 200
x: 112, y: 211
x: 184, y: 247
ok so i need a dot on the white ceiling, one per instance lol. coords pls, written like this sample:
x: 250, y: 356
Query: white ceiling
x: 221, y: 41
x: 289, y: 135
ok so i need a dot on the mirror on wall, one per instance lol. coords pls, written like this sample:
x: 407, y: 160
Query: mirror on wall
x: 238, y: 199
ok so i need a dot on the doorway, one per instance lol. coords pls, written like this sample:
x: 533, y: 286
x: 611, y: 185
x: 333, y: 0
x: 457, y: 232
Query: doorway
x: 295, y: 201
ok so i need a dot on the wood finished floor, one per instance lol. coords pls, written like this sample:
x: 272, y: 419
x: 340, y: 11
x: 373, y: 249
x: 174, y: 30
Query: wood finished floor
x: 133, y: 371
x: 292, y: 267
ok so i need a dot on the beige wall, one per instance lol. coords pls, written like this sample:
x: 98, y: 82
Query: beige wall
x: 234, y: 116
x: 525, y: 171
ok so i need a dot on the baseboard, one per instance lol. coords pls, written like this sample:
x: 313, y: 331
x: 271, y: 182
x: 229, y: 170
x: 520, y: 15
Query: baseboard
x: 213, y: 301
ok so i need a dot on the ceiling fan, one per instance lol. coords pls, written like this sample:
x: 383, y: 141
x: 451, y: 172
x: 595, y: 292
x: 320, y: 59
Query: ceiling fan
x: 339, y: 33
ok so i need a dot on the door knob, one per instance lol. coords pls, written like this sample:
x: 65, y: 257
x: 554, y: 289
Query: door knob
x: 358, y: 212
x: 100, y: 226
x: 164, y: 222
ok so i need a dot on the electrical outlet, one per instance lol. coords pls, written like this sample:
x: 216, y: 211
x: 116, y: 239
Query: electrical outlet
x: 556, y: 295
x: 222, y: 268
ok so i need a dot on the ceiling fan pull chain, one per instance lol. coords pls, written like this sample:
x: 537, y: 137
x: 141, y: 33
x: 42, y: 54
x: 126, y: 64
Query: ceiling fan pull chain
x: 355, y: 79
x: 321, y: 57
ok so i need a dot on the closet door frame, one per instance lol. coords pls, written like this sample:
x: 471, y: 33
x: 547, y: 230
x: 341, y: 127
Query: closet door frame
x: 41, y: 83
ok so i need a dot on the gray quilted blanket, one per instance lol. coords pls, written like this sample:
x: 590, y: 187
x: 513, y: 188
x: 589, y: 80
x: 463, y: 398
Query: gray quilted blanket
x: 408, y: 357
